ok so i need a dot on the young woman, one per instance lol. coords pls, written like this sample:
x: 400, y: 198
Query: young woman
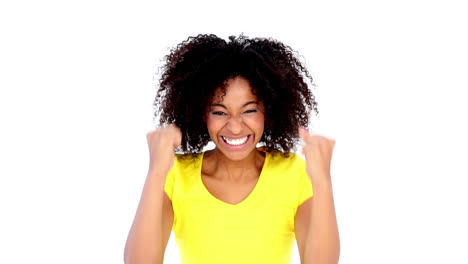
x: 249, y: 198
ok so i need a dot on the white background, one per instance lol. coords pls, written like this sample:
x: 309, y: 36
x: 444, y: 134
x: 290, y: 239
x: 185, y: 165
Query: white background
x: 77, y: 88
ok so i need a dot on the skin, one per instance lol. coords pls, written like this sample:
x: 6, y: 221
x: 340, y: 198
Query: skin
x: 151, y: 227
x: 316, y: 224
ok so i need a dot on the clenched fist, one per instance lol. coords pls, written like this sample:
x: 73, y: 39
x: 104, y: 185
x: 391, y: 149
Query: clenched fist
x: 162, y: 143
x: 318, y: 152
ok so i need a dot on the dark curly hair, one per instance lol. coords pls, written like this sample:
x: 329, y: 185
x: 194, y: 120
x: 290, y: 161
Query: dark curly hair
x: 200, y: 65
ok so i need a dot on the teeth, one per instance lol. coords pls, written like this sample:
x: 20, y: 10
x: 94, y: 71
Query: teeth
x: 239, y: 141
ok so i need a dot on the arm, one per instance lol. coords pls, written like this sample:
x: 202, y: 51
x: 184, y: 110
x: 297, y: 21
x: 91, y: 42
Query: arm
x: 153, y: 221
x: 318, y: 237
x: 152, y: 225
x: 316, y: 227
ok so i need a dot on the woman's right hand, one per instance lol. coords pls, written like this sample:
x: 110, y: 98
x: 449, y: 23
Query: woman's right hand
x: 162, y: 143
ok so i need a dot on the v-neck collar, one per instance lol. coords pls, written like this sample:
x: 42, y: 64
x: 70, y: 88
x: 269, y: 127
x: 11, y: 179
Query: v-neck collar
x: 252, y: 194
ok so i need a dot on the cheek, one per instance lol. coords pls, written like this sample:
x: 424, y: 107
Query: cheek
x: 257, y: 123
x: 261, y: 124
x: 213, y: 124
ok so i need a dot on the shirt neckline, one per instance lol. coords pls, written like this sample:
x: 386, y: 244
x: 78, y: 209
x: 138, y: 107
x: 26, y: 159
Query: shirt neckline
x: 251, y: 194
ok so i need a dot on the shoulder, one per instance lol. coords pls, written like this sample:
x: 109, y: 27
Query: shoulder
x: 289, y: 160
x: 188, y: 157
x: 285, y: 166
x: 186, y: 161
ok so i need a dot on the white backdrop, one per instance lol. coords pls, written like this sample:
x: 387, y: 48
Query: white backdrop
x: 77, y: 88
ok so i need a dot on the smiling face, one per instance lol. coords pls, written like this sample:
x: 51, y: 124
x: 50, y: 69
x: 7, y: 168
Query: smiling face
x: 235, y: 121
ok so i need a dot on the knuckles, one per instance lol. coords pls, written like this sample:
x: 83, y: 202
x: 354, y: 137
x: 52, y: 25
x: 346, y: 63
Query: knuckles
x: 165, y: 135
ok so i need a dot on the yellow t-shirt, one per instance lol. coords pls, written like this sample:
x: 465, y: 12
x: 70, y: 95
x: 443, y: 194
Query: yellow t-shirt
x: 258, y: 230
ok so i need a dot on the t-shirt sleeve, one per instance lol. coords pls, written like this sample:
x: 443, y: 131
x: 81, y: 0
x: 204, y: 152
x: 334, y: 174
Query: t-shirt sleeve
x: 305, y: 187
x: 170, y: 179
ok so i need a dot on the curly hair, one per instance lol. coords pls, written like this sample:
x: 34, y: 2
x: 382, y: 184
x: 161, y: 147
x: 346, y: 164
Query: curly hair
x: 200, y: 65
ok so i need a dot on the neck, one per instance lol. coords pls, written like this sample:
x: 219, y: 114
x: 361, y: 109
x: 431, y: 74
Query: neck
x: 237, y: 171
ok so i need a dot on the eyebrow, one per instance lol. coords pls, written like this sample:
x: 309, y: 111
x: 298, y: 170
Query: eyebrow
x: 244, y: 105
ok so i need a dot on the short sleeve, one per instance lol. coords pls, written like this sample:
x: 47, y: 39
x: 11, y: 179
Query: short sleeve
x: 305, y: 187
x: 170, y: 179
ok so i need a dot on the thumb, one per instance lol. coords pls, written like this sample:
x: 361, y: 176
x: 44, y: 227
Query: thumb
x: 303, y: 133
x: 177, y: 139
x: 333, y: 142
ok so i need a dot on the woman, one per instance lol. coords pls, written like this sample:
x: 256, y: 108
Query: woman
x: 246, y: 200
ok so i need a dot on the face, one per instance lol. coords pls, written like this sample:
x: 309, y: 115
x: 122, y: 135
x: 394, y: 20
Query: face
x: 235, y: 121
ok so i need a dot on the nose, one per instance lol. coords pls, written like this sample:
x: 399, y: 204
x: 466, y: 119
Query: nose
x: 235, y: 125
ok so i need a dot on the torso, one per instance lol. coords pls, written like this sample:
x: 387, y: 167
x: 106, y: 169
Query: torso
x: 231, y: 193
x: 228, y: 192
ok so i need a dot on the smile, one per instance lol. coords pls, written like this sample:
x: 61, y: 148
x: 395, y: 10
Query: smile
x: 236, y: 141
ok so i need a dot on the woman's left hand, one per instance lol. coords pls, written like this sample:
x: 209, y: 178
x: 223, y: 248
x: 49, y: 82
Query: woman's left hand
x: 318, y: 152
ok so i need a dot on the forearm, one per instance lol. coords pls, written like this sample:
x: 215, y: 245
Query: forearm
x: 323, y: 238
x: 144, y: 242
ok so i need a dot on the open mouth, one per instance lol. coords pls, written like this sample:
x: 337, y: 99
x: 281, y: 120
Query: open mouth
x: 236, y: 141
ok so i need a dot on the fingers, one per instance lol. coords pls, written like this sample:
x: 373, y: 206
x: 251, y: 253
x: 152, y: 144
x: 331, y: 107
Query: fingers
x: 303, y: 133
x: 174, y: 131
x: 167, y: 134
x: 313, y: 138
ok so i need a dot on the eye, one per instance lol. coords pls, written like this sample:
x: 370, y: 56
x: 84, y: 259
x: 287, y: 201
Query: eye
x: 220, y: 113
x: 251, y: 111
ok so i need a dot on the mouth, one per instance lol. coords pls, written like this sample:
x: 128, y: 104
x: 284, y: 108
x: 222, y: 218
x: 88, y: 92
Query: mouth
x: 236, y: 143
